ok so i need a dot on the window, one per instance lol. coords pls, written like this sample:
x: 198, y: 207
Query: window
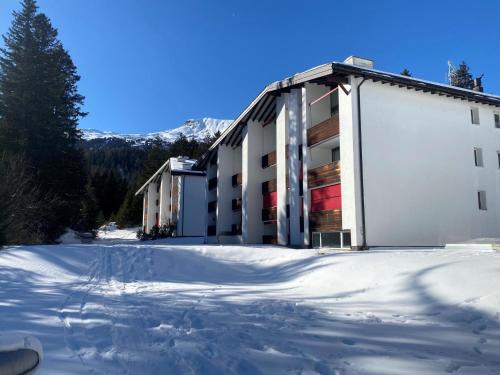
x: 478, y: 157
x: 497, y: 120
x: 474, y: 115
x: 336, y: 154
x: 481, y: 198
x: 498, y: 156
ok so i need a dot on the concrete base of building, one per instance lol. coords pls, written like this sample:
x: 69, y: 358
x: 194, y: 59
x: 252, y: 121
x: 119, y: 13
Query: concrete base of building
x: 476, y: 244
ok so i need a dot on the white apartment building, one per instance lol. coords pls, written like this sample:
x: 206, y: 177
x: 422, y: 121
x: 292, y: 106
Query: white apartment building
x: 176, y: 194
x: 344, y: 155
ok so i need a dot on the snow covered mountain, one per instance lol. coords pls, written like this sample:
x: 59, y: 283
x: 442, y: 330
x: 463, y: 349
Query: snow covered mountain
x: 192, y: 128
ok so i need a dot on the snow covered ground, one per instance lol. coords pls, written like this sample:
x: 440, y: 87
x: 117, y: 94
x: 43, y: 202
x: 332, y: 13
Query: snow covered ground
x: 120, y: 306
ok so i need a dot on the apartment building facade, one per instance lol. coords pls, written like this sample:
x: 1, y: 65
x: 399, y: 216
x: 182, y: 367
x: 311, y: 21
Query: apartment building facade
x: 175, y: 195
x: 344, y: 155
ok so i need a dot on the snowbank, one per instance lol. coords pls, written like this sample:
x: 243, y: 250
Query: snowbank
x: 123, y: 306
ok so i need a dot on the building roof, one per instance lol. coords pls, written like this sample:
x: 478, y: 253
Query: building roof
x: 261, y: 108
x: 176, y: 166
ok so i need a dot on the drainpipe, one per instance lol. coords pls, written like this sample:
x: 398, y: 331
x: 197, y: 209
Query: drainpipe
x: 360, y: 154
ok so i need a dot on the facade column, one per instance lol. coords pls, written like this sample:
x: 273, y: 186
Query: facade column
x: 224, y: 190
x: 165, y: 198
x: 152, y: 207
x: 306, y: 158
x: 281, y: 167
x: 145, y: 210
x: 349, y: 164
x: 294, y: 139
x: 251, y: 180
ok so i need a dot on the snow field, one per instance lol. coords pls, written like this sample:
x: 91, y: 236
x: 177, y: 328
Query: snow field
x: 121, y: 306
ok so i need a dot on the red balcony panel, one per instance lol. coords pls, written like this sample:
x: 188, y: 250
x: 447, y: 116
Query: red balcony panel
x: 326, y: 198
x: 270, y: 199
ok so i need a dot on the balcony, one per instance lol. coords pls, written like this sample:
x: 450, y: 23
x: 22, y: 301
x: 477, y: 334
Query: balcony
x: 236, y: 204
x: 269, y: 240
x: 236, y: 179
x: 269, y: 160
x: 212, y: 206
x: 269, y: 214
x: 323, y: 131
x: 325, y: 221
x: 212, y: 183
x: 269, y: 186
x: 327, y: 174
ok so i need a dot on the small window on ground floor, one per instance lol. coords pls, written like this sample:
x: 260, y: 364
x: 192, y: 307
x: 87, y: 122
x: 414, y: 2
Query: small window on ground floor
x: 497, y: 120
x: 478, y: 157
x: 481, y: 197
x: 498, y: 157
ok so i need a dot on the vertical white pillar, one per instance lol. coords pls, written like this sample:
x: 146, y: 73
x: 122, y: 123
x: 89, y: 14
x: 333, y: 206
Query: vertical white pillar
x: 349, y: 163
x: 224, y: 190
x: 165, y: 198
x: 294, y: 139
x: 281, y: 167
x: 306, y: 115
x: 180, y: 207
x: 145, y: 209
x: 251, y: 181
x: 152, y: 207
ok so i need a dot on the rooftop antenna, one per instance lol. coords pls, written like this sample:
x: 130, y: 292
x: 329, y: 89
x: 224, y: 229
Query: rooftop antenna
x: 451, y: 69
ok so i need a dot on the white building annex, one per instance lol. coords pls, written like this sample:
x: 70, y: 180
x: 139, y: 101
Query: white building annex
x: 344, y: 155
x: 176, y: 194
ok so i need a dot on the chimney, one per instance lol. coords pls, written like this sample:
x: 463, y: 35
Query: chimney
x: 478, y: 86
x: 359, y: 61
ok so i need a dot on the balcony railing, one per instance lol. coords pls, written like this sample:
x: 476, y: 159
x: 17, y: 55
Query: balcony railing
x: 212, y: 206
x: 270, y: 240
x: 269, y: 214
x: 323, y: 131
x: 269, y: 159
x: 212, y: 183
x: 236, y: 204
x: 325, y: 221
x: 327, y: 174
x: 236, y: 179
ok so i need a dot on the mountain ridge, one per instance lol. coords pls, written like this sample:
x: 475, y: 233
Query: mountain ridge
x: 197, y: 129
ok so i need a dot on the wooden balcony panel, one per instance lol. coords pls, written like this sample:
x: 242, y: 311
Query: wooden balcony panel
x: 212, y: 183
x: 269, y: 186
x: 269, y: 214
x: 269, y: 160
x: 325, y: 221
x: 269, y: 240
x: 327, y: 174
x: 324, y: 130
x: 236, y: 204
x: 212, y: 206
x: 236, y: 179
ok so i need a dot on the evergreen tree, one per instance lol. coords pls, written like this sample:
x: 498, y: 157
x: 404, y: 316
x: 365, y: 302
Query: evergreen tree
x: 461, y: 77
x: 406, y: 73
x: 130, y: 213
x: 39, y: 111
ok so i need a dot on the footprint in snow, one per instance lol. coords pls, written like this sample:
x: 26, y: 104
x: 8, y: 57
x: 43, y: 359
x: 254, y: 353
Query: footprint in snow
x: 348, y: 342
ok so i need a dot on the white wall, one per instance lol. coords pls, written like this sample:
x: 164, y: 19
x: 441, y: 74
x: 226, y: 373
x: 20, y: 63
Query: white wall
x: 152, y: 207
x: 165, y: 213
x: 252, y: 178
x: 193, y: 203
x: 224, y: 190
x: 420, y: 180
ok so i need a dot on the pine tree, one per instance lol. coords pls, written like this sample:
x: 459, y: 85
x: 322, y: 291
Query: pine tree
x: 406, y: 73
x: 130, y: 213
x: 461, y: 77
x: 39, y: 111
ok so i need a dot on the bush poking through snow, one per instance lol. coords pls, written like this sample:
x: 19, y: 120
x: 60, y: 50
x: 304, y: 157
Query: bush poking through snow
x: 157, y: 232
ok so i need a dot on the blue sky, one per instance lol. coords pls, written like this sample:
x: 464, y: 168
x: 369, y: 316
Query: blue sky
x: 149, y: 65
